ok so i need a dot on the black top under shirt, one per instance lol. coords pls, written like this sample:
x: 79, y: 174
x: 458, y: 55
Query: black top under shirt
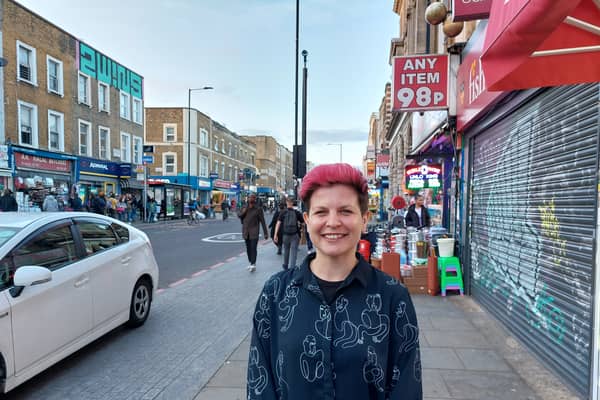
x: 328, y: 288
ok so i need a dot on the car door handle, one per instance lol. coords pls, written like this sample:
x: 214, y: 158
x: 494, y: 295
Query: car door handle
x: 125, y: 260
x: 82, y: 282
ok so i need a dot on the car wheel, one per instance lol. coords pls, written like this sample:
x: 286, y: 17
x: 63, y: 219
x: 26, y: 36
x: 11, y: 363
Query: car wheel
x: 140, y: 303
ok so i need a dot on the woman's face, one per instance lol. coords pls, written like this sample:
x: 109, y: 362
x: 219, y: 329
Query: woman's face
x: 335, y: 221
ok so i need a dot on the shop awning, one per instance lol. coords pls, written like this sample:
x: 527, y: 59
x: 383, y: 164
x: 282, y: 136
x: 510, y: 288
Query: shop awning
x: 538, y: 43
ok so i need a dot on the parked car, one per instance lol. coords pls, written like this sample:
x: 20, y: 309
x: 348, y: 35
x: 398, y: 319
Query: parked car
x: 65, y: 280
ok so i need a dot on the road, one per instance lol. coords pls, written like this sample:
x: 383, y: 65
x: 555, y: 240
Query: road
x: 182, y: 250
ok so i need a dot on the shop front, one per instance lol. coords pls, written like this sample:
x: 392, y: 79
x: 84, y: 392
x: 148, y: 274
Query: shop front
x: 223, y: 190
x: 94, y: 176
x: 38, y: 173
x: 529, y: 207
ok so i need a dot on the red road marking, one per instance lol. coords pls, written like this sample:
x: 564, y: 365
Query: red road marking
x: 198, y: 273
x: 243, y: 253
x: 230, y: 259
x: 217, y: 265
x: 159, y: 291
x: 179, y: 282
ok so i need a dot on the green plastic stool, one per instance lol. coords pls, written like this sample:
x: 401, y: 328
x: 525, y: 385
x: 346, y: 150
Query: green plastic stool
x: 450, y: 275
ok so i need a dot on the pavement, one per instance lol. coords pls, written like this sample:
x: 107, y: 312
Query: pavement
x: 466, y: 353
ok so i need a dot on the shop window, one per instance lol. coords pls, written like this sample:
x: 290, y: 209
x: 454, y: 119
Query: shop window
x: 169, y: 160
x: 103, y: 97
x: 170, y: 132
x: 84, y: 90
x: 28, y: 124
x: 137, y: 150
x: 103, y: 143
x: 56, y: 132
x: 125, y: 105
x: 54, y: 68
x: 125, y: 147
x: 26, y: 61
x: 85, y: 138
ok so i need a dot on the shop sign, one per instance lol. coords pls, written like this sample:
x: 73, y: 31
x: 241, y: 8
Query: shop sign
x: 473, y: 96
x: 203, y: 183
x: 3, y: 156
x: 125, y: 170
x: 469, y: 10
x: 370, y: 169
x: 420, y: 83
x: 49, y: 164
x: 371, y: 151
x: 89, y: 165
x: 219, y: 183
x: 423, y: 176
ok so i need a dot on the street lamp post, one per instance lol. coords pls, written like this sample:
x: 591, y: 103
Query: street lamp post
x: 189, y: 146
x: 337, y: 144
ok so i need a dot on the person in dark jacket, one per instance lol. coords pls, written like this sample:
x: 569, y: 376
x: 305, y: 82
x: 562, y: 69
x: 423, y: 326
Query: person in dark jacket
x: 8, y: 202
x: 279, y: 241
x: 99, y: 204
x: 335, y: 327
x: 252, y: 217
x: 417, y: 215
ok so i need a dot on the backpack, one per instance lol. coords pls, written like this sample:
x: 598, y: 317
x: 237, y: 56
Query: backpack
x: 290, y: 223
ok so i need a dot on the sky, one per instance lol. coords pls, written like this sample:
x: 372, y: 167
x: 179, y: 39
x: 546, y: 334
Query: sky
x: 245, y: 49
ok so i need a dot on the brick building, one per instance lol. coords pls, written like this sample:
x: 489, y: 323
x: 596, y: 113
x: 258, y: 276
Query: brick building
x: 72, y: 119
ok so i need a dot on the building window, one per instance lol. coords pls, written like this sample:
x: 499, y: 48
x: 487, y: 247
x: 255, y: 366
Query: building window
x: 125, y: 105
x: 85, y: 138
x: 55, y: 75
x: 83, y: 89
x: 28, y: 125
x: 216, y: 144
x: 231, y: 176
x: 216, y: 170
x: 203, y: 138
x: 169, y: 163
x: 125, y: 147
x: 103, y: 143
x: 170, y: 132
x: 203, y: 166
x: 56, y: 131
x: 223, y: 146
x: 137, y: 150
x: 230, y: 152
x: 137, y: 111
x: 103, y: 97
x: 223, y: 170
x: 26, y: 60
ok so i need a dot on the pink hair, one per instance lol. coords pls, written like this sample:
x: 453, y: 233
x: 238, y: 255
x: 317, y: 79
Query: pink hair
x: 326, y: 175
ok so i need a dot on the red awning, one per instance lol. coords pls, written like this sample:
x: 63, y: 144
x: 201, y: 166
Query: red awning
x: 536, y: 43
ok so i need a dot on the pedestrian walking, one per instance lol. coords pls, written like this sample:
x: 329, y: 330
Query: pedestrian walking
x: 290, y: 222
x: 98, y: 203
x: 252, y: 217
x: 278, y: 242
x: 8, y: 202
x: 225, y: 209
x: 335, y: 327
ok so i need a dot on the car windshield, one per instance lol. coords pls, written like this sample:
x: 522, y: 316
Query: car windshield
x: 6, y: 233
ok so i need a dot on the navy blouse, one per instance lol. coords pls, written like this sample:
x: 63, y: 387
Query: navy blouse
x: 364, y: 345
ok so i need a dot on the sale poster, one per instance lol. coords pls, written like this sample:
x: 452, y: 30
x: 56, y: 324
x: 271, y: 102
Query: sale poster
x: 420, y: 83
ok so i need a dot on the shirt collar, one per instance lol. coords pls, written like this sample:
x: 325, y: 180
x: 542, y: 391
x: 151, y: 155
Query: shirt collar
x: 304, y: 277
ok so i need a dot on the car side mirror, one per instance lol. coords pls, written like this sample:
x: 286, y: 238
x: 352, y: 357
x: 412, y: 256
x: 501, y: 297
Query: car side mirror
x: 31, y: 275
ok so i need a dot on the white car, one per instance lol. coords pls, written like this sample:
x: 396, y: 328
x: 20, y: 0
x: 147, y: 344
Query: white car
x: 65, y: 280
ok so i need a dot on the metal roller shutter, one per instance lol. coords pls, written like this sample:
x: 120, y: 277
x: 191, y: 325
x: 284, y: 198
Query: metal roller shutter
x: 532, y: 225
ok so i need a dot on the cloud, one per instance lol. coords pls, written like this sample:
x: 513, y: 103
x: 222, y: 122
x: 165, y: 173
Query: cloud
x: 336, y: 135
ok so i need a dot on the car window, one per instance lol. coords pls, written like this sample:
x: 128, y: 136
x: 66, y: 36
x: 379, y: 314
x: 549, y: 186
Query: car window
x: 97, y: 236
x: 52, y: 248
x: 6, y: 233
x: 122, y: 232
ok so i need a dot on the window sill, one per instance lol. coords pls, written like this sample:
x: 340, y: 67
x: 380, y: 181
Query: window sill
x: 32, y: 83
x: 83, y: 103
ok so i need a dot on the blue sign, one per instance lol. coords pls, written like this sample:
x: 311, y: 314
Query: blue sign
x: 125, y: 170
x: 148, y: 159
x: 98, y: 167
x: 213, y: 175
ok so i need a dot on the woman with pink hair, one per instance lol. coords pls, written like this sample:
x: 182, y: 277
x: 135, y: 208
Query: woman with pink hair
x: 338, y: 328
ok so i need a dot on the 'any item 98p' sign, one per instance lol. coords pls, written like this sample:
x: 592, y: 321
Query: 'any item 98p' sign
x: 420, y: 83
